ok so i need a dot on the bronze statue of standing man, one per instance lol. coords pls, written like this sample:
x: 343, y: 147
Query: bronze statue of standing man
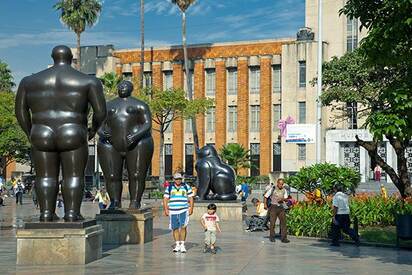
x: 52, y: 108
x: 126, y: 138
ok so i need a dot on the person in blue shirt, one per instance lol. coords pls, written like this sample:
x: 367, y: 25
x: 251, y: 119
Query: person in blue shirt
x: 178, y: 205
x: 244, y: 192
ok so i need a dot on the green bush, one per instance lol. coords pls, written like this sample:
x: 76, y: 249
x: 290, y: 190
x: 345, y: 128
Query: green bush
x: 309, y: 220
x: 324, y: 176
x: 314, y: 220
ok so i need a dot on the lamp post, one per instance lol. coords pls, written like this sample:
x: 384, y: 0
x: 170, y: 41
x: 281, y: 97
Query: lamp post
x: 319, y: 87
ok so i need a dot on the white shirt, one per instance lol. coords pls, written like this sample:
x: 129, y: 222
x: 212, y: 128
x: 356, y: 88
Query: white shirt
x: 341, y: 201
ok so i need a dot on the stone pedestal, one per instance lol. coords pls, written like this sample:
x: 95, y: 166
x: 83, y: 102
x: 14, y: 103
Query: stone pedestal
x: 226, y: 210
x: 59, y: 243
x: 126, y: 226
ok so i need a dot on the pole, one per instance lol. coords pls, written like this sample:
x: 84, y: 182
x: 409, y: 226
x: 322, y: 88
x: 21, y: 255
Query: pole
x: 319, y: 87
x: 141, y: 42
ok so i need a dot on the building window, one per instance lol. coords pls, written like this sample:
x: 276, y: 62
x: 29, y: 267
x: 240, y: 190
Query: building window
x: 168, y: 160
x: 192, y: 83
x: 302, y: 74
x: 210, y: 120
x: 352, y: 111
x: 302, y: 112
x: 255, y: 159
x: 232, y: 119
x: 277, y: 114
x: 255, y: 118
x: 232, y: 81
x: 147, y: 79
x: 210, y: 82
x: 351, y: 34
x: 127, y: 76
x: 167, y: 80
x: 189, y: 151
x: 188, y: 126
x: 277, y: 78
x: 254, y: 80
x: 277, y: 159
x: 301, y: 151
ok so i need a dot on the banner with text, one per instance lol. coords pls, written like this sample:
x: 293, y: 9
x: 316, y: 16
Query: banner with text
x: 301, y: 133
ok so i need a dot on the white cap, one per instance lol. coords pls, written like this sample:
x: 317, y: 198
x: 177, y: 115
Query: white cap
x: 177, y: 176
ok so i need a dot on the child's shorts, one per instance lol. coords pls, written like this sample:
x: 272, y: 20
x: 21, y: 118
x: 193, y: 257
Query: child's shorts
x: 210, y: 237
x: 178, y: 221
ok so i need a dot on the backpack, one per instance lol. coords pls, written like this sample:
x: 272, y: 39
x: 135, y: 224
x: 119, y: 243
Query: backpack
x: 269, y: 200
x: 171, y: 186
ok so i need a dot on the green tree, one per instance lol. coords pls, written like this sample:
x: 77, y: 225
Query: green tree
x: 379, y: 78
x: 236, y: 156
x: 14, y: 145
x: 183, y: 6
x: 168, y: 106
x: 6, y: 79
x: 324, y: 176
x: 77, y: 15
x: 110, y: 82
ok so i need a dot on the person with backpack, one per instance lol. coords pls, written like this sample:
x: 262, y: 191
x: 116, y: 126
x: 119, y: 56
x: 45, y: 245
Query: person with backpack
x: 276, y: 207
x: 18, y: 191
x: 178, y: 205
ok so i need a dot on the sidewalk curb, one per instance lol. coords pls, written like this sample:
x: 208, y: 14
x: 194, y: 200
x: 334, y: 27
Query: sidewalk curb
x: 368, y: 244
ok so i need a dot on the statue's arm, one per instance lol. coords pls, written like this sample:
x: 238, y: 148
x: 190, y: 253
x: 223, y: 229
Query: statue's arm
x: 22, y: 110
x: 98, y: 103
x: 145, y: 128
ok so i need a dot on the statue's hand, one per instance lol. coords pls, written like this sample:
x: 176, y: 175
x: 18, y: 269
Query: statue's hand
x: 131, y: 139
x: 106, y: 135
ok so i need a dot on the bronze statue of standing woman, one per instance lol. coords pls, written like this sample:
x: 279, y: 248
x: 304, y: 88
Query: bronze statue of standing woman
x: 126, y: 139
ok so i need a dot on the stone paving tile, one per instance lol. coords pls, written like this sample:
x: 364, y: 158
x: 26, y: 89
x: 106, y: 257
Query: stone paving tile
x: 239, y: 253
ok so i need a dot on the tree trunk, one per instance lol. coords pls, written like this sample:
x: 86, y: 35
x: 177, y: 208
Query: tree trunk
x: 161, y: 158
x: 188, y: 84
x: 401, y: 181
x: 141, y: 42
x: 78, y: 65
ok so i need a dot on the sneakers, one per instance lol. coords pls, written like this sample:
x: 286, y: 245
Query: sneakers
x: 213, y: 250
x: 285, y: 241
x: 205, y: 248
x: 177, y: 248
x: 272, y: 239
x: 182, y: 248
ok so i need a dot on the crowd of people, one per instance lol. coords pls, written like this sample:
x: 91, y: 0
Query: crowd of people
x: 178, y: 205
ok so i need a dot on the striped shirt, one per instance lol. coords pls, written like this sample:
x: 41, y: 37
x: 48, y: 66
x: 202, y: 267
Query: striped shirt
x: 178, y: 198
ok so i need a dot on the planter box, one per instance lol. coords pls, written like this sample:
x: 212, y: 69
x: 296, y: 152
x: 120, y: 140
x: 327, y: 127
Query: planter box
x: 403, y: 228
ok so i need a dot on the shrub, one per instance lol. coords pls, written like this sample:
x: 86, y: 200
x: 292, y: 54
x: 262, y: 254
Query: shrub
x: 324, y: 176
x: 314, y: 220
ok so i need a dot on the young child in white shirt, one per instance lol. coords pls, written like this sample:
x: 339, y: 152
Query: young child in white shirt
x: 210, y: 222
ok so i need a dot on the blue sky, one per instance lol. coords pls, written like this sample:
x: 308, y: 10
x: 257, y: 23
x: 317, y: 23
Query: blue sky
x: 30, y: 28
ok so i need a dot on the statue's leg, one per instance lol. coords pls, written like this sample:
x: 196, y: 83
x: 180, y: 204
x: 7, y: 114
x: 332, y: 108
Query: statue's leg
x: 112, y: 164
x: 46, y: 165
x: 73, y: 166
x: 138, y: 163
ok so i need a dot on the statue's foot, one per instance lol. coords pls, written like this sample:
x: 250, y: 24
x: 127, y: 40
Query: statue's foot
x: 48, y: 216
x: 115, y: 205
x: 226, y: 197
x: 134, y: 204
x: 71, y: 216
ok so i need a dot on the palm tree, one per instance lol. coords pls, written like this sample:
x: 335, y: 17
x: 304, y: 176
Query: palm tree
x: 183, y: 6
x: 141, y: 42
x: 77, y: 15
x: 236, y: 156
x: 110, y: 82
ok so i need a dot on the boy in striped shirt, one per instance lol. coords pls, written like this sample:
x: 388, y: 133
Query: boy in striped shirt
x: 178, y: 205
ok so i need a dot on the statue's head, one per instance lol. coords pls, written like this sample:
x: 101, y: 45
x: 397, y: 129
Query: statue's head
x: 207, y: 151
x: 62, y: 55
x: 125, y: 89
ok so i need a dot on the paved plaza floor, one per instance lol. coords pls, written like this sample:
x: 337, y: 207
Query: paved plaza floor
x: 239, y: 253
